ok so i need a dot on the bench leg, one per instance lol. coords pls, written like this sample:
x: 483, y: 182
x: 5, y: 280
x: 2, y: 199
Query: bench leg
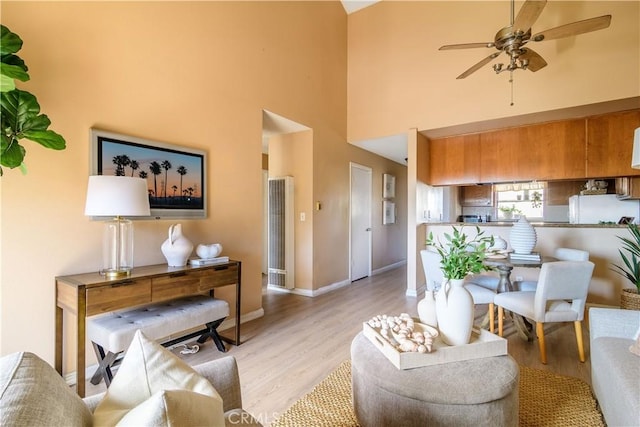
x: 213, y: 334
x: 105, y: 361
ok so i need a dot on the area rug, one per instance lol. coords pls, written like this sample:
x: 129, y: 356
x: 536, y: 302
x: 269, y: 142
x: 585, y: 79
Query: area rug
x: 546, y: 399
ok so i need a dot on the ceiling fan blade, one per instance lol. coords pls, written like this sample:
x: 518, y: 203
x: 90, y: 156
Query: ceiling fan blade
x: 535, y: 61
x: 479, y: 65
x: 573, y: 29
x: 466, y: 46
x: 529, y: 13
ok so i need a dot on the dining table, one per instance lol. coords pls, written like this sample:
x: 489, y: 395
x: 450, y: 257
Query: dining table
x: 504, y: 265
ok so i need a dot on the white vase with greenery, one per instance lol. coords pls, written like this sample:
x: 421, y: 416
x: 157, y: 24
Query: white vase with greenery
x: 460, y: 256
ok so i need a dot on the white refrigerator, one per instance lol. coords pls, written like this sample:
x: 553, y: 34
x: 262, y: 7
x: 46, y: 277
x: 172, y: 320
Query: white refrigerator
x: 606, y: 207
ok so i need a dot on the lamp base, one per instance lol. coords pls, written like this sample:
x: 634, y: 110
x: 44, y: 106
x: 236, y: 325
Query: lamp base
x: 115, y: 274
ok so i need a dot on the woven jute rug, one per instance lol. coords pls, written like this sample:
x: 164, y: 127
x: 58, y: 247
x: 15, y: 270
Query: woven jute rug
x: 546, y: 399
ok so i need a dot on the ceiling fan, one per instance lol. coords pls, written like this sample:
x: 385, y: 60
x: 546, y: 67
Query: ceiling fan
x: 513, y: 39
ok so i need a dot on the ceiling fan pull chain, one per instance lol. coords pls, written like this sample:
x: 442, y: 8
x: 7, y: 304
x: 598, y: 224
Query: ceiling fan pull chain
x: 511, y: 82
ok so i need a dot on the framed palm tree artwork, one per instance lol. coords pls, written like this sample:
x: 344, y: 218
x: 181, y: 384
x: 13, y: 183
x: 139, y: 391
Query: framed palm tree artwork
x: 175, y: 175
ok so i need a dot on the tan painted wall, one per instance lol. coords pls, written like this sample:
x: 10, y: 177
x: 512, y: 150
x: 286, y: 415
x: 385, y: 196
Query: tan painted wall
x: 393, y: 89
x: 291, y: 155
x: 198, y: 74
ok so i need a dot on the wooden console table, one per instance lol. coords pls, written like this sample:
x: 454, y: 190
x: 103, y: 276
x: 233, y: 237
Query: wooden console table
x: 89, y: 294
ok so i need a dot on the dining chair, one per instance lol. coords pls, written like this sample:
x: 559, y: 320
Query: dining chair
x: 561, y: 254
x: 560, y: 296
x: 481, y: 287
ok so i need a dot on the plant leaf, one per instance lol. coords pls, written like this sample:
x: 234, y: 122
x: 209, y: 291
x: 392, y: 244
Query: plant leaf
x: 9, y: 42
x: 19, y: 105
x: 6, y: 84
x: 11, y: 153
x: 46, y: 138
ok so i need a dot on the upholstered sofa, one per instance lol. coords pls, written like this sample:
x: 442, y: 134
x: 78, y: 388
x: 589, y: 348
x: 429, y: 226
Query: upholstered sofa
x: 32, y: 393
x: 615, y: 370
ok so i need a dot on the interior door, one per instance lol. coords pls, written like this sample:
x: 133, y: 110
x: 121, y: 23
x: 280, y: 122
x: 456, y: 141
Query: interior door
x: 360, y: 252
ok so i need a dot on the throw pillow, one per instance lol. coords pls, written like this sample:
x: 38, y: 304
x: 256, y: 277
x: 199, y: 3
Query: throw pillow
x: 32, y: 393
x: 146, y: 372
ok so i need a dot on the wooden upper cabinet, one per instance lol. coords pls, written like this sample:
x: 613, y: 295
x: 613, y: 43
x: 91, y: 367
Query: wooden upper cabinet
x: 610, y: 144
x: 558, y: 192
x: 476, y: 195
x: 554, y: 150
x: 454, y: 160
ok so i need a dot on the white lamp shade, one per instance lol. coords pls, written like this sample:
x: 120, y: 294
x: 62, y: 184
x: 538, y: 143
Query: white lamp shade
x: 117, y: 196
x: 635, y: 158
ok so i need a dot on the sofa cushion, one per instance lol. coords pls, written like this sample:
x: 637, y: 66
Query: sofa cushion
x: 32, y: 393
x: 146, y: 371
x: 615, y: 380
x: 173, y: 408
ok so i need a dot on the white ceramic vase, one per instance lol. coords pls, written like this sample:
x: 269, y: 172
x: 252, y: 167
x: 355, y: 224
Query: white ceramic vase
x: 427, y: 309
x: 177, y: 248
x: 209, y: 251
x: 454, y: 310
x: 523, y: 236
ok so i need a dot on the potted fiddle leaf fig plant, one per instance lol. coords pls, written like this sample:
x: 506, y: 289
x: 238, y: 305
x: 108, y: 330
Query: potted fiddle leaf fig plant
x: 630, y: 254
x: 19, y: 109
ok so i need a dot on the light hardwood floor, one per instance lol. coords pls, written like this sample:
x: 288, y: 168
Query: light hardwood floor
x: 300, y: 340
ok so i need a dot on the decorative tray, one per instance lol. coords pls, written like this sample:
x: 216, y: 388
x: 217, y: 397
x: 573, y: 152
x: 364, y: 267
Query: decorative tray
x: 483, y: 344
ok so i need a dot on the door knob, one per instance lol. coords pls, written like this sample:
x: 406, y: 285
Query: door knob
x: 368, y: 229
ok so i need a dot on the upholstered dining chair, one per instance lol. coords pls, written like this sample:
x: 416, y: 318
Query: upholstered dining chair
x: 561, y: 254
x: 481, y: 287
x: 560, y: 296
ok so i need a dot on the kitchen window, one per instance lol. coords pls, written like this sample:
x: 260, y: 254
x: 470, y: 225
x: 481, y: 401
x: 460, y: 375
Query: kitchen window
x: 513, y: 200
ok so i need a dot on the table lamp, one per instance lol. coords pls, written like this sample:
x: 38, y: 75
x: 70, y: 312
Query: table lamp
x: 635, y: 158
x: 117, y: 197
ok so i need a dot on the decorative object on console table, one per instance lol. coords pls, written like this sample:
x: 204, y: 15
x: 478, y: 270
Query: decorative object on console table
x: 460, y: 256
x: 117, y: 196
x: 209, y: 251
x: 630, y: 297
x: 177, y: 248
x: 523, y: 236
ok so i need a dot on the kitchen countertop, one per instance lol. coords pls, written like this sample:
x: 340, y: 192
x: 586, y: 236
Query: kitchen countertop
x: 535, y: 224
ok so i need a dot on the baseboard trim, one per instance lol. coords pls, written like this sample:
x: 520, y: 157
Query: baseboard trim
x: 415, y: 292
x: 332, y: 287
x: 388, y: 267
x: 71, y: 377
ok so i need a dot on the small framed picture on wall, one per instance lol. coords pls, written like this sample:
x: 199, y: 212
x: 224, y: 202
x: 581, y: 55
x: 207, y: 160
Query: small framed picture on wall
x: 388, y: 186
x: 388, y: 212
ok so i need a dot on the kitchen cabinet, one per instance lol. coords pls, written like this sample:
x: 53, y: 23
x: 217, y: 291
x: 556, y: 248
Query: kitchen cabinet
x: 610, y: 144
x: 454, y: 160
x: 558, y: 192
x: 476, y: 195
x: 554, y: 150
x: 628, y: 187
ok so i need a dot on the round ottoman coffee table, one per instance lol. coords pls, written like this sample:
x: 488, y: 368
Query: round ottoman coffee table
x: 479, y: 392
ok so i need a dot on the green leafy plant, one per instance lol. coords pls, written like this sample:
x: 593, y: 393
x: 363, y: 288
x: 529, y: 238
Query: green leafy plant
x: 630, y: 254
x: 20, y: 111
x: 460, y: 254
x: 507, y: 209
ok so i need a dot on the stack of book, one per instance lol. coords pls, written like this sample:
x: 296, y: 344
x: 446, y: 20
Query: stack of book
x: 533, y: 256
x: 208, y: 261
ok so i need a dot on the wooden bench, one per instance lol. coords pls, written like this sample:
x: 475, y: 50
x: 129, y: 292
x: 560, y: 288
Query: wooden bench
x: 111, y: 333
